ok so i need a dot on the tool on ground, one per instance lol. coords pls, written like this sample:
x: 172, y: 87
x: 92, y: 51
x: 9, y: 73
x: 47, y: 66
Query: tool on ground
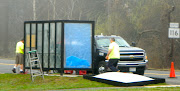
x: 35, y: 65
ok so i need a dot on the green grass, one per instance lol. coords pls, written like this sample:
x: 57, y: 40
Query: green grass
x: 23, y: 82
x: 137, y: 89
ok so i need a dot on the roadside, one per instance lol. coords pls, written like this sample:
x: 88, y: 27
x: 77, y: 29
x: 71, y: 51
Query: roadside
x: 11, y: 61
x: 23, y: 82
x: 164, y: 74
x: 7, y: 65
x: 140, y: 88
x: 8, y: 58
x: 161, y: 69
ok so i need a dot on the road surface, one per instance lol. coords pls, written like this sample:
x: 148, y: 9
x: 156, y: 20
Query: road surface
x: 7, y: 65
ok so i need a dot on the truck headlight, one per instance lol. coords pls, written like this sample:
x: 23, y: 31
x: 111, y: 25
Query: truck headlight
x: 145, y: 56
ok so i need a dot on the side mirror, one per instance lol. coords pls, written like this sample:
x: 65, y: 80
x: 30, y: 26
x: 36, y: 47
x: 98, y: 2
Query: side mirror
x: 133, y: 44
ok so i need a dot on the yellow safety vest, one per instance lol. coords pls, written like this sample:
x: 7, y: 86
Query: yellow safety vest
x: 115, y: 51
x: 20, y: 47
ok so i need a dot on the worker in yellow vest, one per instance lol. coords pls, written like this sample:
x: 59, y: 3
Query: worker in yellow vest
x: 113, y: 55
x: 19, y: 56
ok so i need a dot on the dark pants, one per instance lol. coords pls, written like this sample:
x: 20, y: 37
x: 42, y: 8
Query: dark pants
x: 112, y: 64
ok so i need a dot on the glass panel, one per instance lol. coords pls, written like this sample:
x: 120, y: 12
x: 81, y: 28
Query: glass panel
x: 39, y: 38
x: 52, y: 60
x: 26, y: 60
x: 58, y: 45
x: 46, y: 37
x: 33, y: 36
x: 39, y: 41
x: 52, y: 45
x: 27, y: 29
x: 27, y: 37
x: 77, y: 45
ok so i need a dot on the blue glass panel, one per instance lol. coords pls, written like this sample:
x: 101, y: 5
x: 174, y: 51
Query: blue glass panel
x: 77, y: 40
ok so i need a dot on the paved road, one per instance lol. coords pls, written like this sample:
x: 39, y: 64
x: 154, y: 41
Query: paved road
x: 164, y: 74
x: 7, y: 65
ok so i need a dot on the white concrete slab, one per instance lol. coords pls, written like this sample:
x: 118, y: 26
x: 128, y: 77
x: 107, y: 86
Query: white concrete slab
x: 123, y: 77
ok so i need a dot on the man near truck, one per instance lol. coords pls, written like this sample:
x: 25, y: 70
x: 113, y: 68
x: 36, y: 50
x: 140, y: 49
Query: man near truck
x: 19, y: 56
x: 113, y: 55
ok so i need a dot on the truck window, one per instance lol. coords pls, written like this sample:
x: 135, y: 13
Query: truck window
x: 104, y: 42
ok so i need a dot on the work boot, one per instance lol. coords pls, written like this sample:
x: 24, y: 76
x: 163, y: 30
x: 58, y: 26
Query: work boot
x: 14, y: 70
x: 21, y: 72
x: 118, y: 71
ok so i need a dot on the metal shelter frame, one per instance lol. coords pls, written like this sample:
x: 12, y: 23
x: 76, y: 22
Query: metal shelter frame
x: 31, y: 30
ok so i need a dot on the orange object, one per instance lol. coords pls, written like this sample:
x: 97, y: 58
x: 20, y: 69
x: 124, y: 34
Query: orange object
x: 82, y: 72
x: 68, y: 71
x: 172, y: 71
x: 26, y: 72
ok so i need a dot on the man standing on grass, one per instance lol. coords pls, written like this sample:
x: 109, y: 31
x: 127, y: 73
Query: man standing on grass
x: 113, y: 55
x: 19, y: 56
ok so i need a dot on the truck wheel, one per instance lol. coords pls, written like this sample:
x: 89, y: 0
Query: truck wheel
x: 102, y: 67
x: 140, y: 73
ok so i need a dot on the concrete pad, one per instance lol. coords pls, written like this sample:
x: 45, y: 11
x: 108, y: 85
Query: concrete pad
x: 124, y: 79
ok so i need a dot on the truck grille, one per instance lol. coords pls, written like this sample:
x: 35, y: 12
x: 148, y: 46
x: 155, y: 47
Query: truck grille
x: 131, y: 56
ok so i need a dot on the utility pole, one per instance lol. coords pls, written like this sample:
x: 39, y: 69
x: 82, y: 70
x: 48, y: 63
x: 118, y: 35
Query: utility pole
x: 109, y: 20
x: 172, y: 40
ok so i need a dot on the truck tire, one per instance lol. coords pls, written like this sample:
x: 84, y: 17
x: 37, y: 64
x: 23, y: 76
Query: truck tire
x: 102, y: 68
x: 140, y: 71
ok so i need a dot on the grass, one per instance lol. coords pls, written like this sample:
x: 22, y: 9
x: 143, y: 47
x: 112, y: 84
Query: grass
x: 137, y: 89
x: 23, y: 82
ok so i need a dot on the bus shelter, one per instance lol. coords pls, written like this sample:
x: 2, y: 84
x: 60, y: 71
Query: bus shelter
x: 61, y: 44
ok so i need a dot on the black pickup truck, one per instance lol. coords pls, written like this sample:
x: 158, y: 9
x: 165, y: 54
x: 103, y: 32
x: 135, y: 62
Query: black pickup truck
x: 132, y: 59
